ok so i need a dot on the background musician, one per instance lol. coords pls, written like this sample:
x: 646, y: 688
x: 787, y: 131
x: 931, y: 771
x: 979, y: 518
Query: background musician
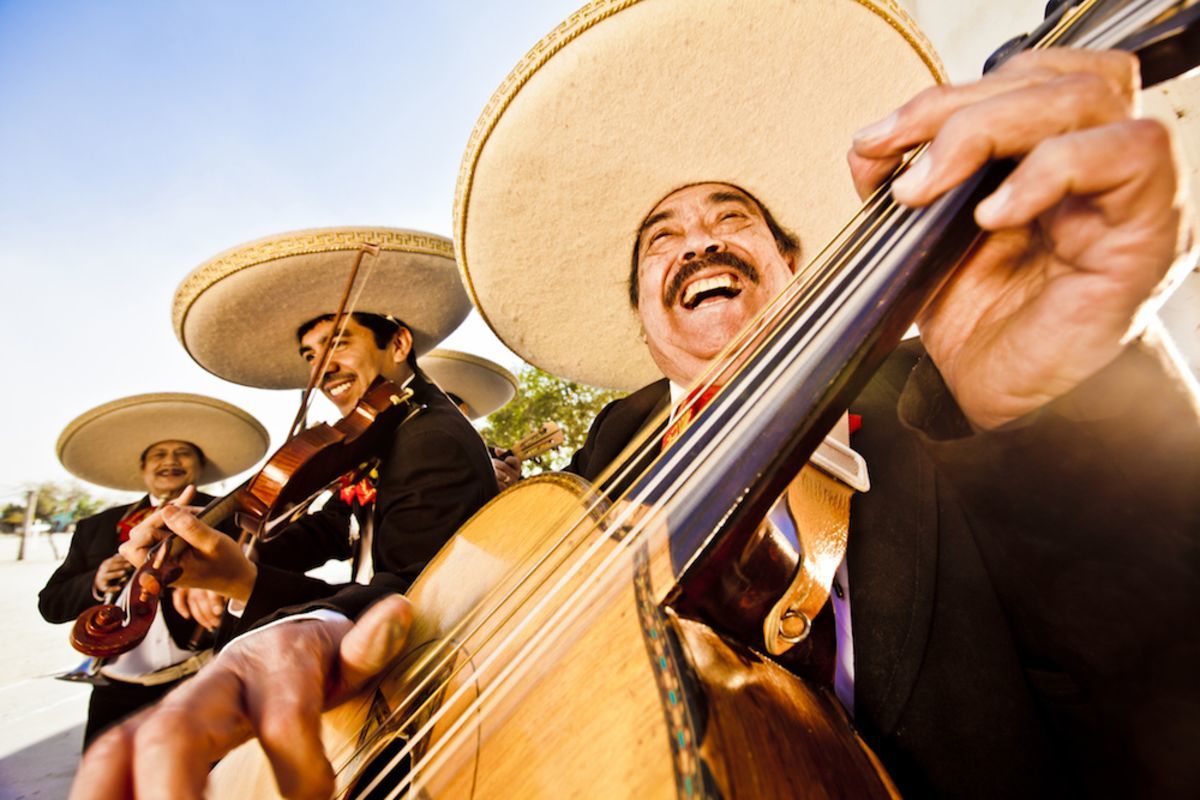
x: 162, y: 443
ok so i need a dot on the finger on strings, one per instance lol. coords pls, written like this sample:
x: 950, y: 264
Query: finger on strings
x: 919, y: 119
x: 375, y: 641
x: 192, y: 727
x: 1082, y: 163
x: 190, y: 529
x: 185, y: 497
x: 144, y: 535
x: 1119, y: 68
x: 105, y: 772
x: 868, y: 173
x: 1004, y: 126
x: 286, y: 716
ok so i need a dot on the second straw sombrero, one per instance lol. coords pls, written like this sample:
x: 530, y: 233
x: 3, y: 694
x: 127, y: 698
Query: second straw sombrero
x: 627, y: 101
x: 237, y: 313
x: 104, y: 445
x: 483, y: 385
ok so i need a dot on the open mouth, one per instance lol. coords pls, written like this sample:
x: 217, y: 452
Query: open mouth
x: 723, y: 286
x: 339, y: 387
x: 169, y: 472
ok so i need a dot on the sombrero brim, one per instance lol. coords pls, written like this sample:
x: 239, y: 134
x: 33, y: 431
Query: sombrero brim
x: 483, y: 385
x: 104, y: 445
x: 237, y: 314
x: 627, y: 101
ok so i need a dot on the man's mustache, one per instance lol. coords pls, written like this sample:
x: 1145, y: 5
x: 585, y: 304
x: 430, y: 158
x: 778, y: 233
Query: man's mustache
x: 721, y: 259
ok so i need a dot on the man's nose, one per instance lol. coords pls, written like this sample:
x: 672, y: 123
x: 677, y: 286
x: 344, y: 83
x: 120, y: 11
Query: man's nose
x: 707, y: 246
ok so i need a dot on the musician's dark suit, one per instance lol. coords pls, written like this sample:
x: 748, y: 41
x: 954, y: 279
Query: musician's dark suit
x: 432, y: 478
x: 68, y: 594
x: 1024, y: 601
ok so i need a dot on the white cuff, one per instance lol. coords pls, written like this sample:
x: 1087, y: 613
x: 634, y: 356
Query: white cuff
x: 320, y: 614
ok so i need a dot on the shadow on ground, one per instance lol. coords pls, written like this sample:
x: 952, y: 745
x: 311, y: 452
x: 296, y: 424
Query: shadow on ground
x: 43, y: 769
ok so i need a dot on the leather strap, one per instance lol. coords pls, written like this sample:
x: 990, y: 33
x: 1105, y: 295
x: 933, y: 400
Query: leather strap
x: 819, y: 506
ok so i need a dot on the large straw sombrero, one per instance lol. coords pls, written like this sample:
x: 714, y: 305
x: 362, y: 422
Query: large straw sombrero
x: 104, y: 445
x: 627, y: 101
x: 483, y: 385
x: 237, y: 313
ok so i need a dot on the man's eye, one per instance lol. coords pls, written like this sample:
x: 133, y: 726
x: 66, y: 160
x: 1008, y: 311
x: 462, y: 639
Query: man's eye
x: 731, y: 215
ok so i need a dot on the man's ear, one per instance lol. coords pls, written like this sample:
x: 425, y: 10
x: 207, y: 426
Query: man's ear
x: 402, y: 343
x: 792, y: 260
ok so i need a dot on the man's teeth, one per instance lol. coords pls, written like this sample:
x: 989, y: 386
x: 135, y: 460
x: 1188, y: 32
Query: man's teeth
x: 339, y: 388
x: 723, y: 282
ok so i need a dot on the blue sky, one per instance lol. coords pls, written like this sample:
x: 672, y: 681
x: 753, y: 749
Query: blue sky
x: 140, y: 138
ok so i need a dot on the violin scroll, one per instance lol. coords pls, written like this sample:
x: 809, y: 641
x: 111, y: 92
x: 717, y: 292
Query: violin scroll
x: 107, y: 630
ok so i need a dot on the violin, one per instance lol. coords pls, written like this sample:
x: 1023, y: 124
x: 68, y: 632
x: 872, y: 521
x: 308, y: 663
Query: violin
x: 279, y: 493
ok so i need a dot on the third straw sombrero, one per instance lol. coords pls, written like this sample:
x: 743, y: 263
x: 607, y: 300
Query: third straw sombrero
x: 483, y: 385
x: 627, y: 101
x: 237, y: 313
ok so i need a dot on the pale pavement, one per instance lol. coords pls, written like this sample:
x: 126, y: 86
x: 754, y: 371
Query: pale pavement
x: 41, y: 719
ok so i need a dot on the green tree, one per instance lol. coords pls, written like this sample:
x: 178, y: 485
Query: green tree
x: 62, y: 504
x: 545, y: 398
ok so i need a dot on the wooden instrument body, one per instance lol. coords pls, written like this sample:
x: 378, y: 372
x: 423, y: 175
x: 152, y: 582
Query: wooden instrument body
x: 616, y: 696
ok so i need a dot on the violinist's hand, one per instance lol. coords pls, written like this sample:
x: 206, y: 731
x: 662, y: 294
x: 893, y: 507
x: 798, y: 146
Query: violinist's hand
x: 272, y: 684
x: 110, y: 575
x: 508, y: 469
x: 214, y: 561
x: 1078, y: 238
x: 201, y: 605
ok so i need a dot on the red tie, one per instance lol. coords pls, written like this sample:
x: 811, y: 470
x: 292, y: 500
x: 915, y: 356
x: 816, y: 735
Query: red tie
x: 692, y: 405
x: 130, y: 521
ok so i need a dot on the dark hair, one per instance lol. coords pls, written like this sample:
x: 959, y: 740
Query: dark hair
x: 199, y: 453
x: 787, y: 242
x: 382, y: 330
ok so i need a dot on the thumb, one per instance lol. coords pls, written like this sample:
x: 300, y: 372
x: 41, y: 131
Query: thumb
x: 374, y: 642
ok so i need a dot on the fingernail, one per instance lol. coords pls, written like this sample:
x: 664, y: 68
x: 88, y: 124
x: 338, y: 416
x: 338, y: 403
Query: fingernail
x: 992, y: 207
x: 914, y: 176
x: 877, y: 130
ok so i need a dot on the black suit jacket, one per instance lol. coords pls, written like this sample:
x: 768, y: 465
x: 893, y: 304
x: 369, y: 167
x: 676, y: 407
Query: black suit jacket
x: 1025, y: 600
x: 434, y: 475
x: 68, y: 593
